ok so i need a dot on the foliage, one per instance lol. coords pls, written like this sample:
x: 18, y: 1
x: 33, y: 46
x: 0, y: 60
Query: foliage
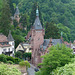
x: 5, y: 70
x: 17, y: 60
x: 27, y: 55
x: 3, y: 58
x: 7, y: 10
x: 5, y: 17
x: 18, y: 54
x: 17, y: 37
x: 58, y: 56
x: 12, y: 11
x: 66, y: 31
x: 52, y: 31
x: 24, y: 20
x: 9, y: 62
x: 24, y: 63
x: 15, y: 23
x: 68, y: 69
x: 59, y: 11
x: 9, y: 58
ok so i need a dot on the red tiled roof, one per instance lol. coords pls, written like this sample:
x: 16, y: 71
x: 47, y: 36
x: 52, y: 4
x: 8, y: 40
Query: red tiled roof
x: 5, y: 45
x: 3, y: 38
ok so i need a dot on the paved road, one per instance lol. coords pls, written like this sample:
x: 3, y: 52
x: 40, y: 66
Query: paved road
x: 31, y: 70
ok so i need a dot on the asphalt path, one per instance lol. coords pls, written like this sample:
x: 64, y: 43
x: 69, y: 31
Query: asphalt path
x: 31, y: 70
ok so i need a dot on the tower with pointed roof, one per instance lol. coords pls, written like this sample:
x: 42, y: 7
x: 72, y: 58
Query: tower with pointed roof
x: 11, y: 42
x: 16, y: 15
x: 39, y: 44
x: 36, y: 38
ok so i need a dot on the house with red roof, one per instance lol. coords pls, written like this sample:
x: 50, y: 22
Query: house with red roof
x: 7, y: 44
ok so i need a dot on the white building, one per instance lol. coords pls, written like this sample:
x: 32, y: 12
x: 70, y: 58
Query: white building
x: 7, y: 44
x: 73, y: 46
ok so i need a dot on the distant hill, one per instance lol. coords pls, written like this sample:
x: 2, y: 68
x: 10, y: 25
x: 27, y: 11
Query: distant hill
x: 59, y: 11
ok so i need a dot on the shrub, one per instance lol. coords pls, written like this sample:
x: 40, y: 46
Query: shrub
x: 18, y: 54
x: 8, y: 70
x: 3, y: 58
x: 27, y: 55
x: 24, y: 63
x: 17, y: 60
x: 9, y: 62
x: 9, y: 58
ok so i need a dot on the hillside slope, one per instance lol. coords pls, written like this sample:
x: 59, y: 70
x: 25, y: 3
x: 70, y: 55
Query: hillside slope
x: 59, y: 11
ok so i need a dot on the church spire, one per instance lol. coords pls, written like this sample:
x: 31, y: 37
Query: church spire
x: 37, y: 12
x: 17, y: 11
x: 37, y: 24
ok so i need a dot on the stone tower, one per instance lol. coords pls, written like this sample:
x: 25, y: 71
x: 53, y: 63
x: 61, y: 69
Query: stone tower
x: 16, y: 15
x: 36, y: 37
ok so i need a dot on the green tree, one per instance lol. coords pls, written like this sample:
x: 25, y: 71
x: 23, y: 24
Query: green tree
x: 3, y: 58
x: 25, y: 20
x: 52, y: 31
x: 5, y: 18
x: 18, y: 54
x: 68, y: 69
x: 27, y: 55
x: 59, y: 11
x: 58, y: 56
x: 10, y: 2
x: 15, y: 23
x: 66, y: 31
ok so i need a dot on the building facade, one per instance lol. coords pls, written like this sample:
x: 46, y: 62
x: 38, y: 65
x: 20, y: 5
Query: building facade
x: 39, y: 44
x: 7, y: 45
x: 24, y: 47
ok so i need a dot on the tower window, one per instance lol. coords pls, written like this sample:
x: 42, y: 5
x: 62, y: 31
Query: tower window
x: 38, y: 38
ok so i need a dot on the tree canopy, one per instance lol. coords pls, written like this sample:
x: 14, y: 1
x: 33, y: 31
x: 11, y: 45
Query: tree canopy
x: 58, y: 56
x: 68, y: 69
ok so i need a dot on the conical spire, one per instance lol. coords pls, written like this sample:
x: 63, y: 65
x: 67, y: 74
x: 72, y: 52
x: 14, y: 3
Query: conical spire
x: 10, y: 38
x: 37, y: 24
x: 17, y: 11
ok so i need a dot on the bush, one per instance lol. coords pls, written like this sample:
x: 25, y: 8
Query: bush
x: 24, y: 63
x: 8, y: 70
x: 17, y: 60
x: 18, y: 54
x: 9, y: 62
x: 9, y: 58
x: 3, y: 58
x: 27, y: 55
